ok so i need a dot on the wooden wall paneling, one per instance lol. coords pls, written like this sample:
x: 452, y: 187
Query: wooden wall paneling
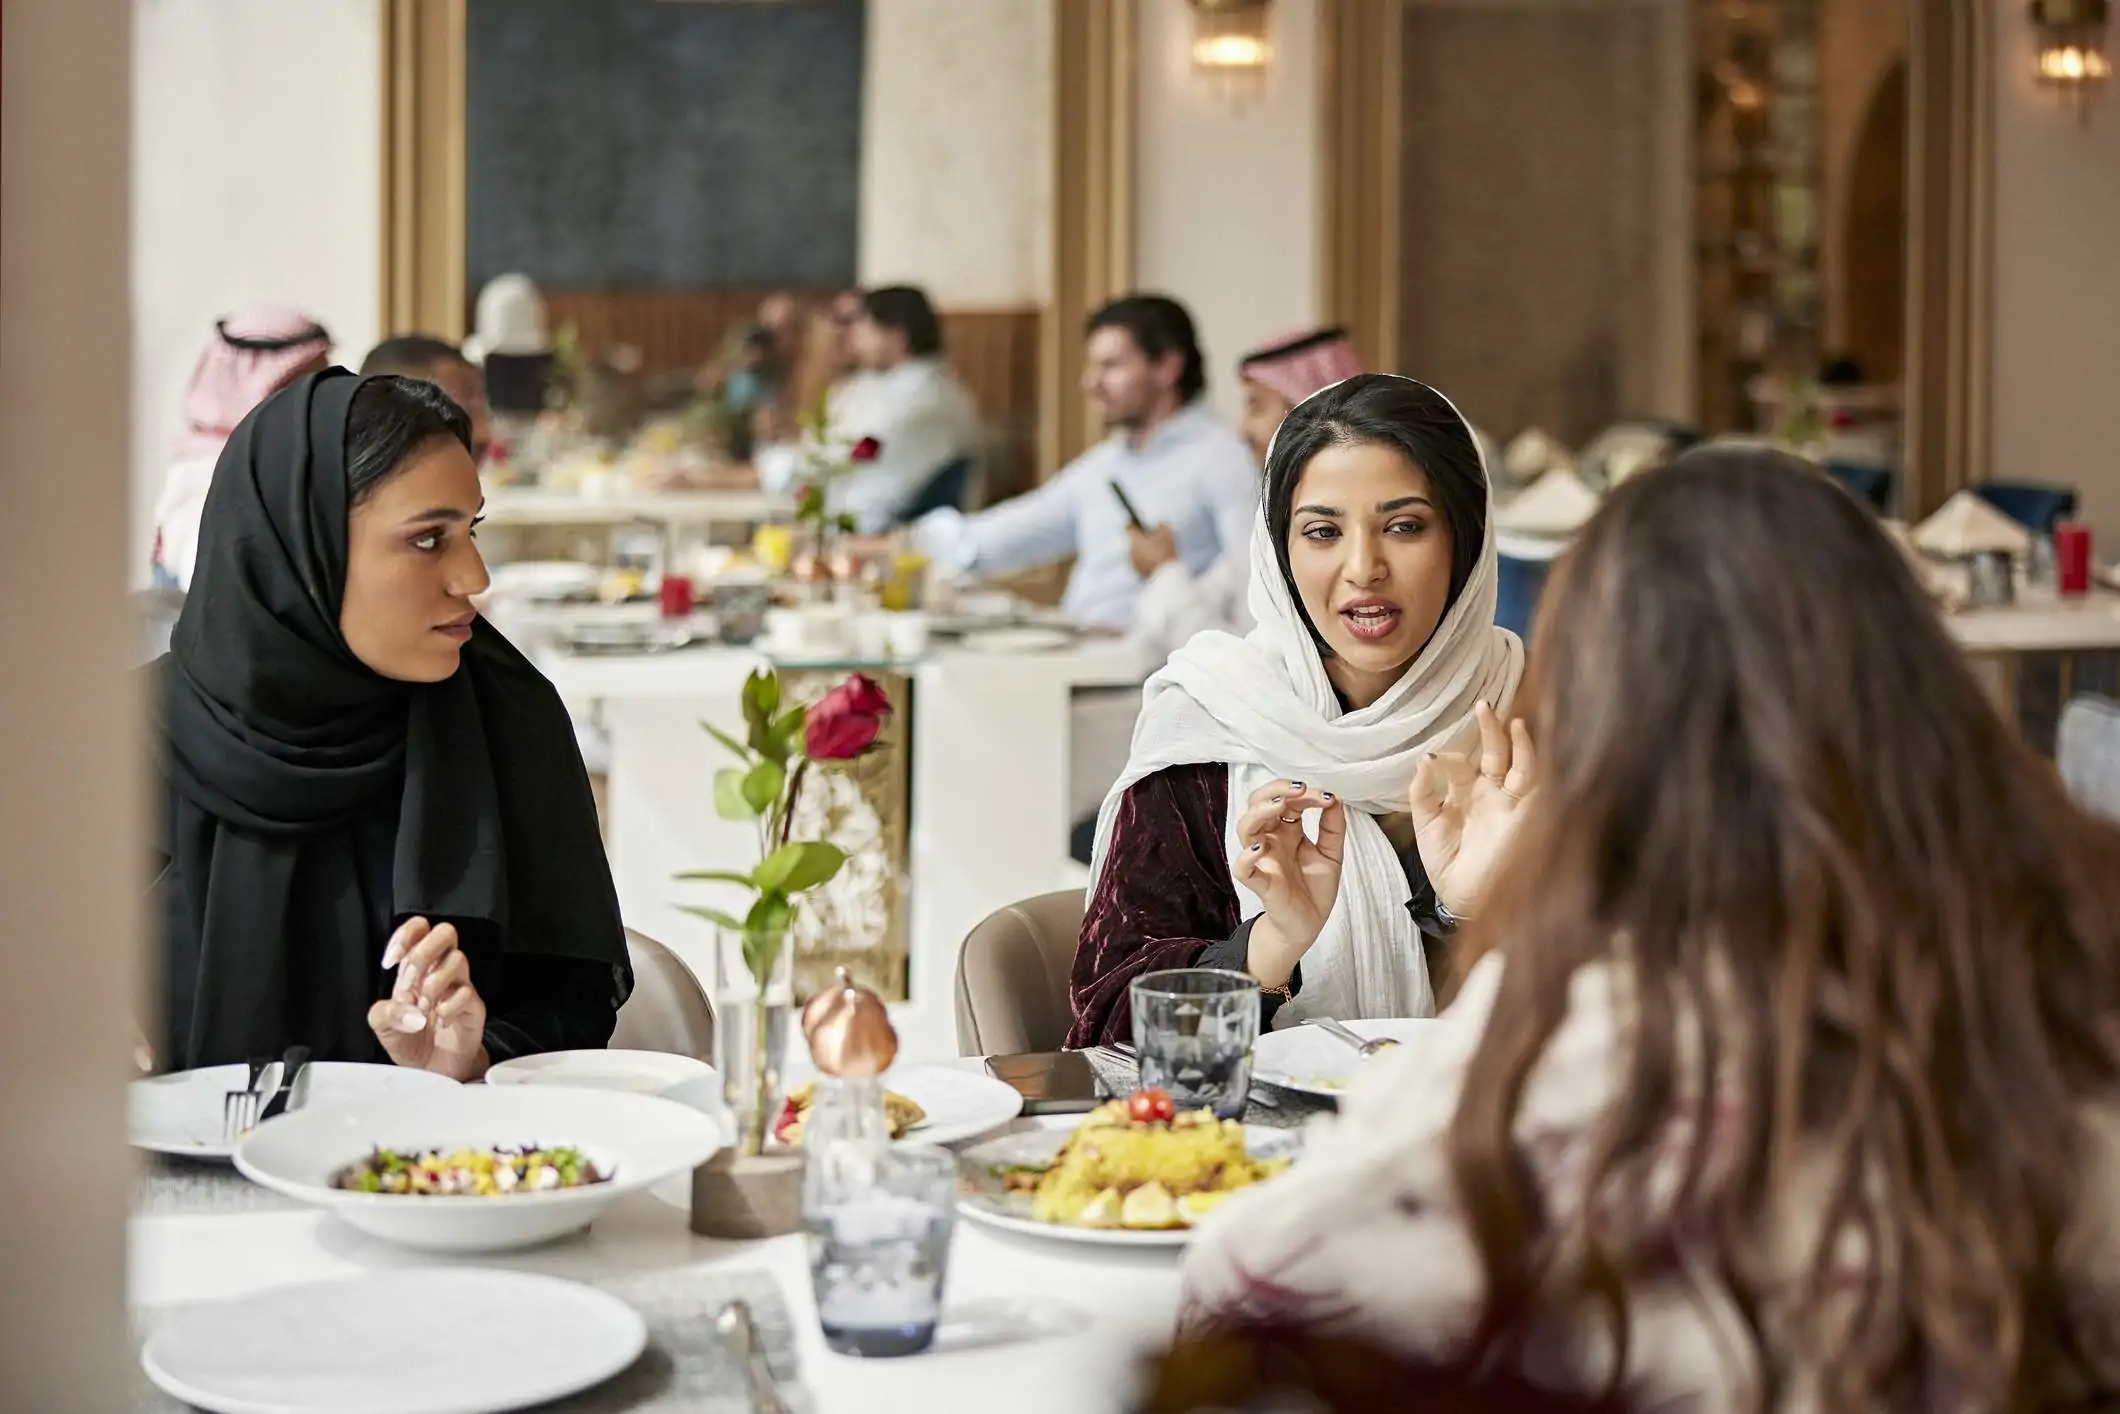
x: 423, y: 168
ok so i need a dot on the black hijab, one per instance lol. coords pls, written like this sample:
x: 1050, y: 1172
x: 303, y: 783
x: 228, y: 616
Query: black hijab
x: 279, y: 741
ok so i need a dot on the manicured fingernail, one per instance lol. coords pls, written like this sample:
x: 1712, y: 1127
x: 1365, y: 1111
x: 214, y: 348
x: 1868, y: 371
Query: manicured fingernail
x: 1256, y: 848
x: 1277, y: 800
x: 411, y: 1020
x: 395, y: 953
x: 1328, y: 795
x: 1295, y: 785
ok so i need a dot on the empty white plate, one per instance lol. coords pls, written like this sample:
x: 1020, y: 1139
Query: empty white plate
x: 1314, y: 1061
x: 960, y: 1104
x: 638, y: 1072
x: 506, y: 1340
x: 180, y: 1114
x: 1017, y: 640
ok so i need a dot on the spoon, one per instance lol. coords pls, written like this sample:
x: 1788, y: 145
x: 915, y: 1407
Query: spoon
x: 1353, y: 1038
x: 738, y: 1331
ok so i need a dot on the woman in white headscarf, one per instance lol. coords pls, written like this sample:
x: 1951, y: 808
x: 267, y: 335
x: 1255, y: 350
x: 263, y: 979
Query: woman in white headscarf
x: 1307, y: 802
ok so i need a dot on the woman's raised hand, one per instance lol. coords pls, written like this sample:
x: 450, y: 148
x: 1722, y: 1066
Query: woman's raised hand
x: 1297, y: 879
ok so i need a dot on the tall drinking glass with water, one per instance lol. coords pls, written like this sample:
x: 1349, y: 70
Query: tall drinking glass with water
x: 879, y: 1237
x: 1193, y: 1031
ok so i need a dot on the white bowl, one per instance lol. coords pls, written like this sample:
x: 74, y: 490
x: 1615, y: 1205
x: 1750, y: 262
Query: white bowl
x: 638, y: 1072
x: 637, y: 1139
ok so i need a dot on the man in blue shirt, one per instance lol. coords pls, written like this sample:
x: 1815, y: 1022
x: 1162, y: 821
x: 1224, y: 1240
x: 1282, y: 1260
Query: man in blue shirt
x: 1176, y: 462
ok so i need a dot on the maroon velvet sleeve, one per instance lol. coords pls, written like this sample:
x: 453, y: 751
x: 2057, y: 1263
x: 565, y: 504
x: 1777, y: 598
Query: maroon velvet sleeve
x: 1164, y: 897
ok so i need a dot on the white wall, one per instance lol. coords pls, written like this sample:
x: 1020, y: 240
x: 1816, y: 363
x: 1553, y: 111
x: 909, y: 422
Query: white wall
x: 2056, y: 374
x: 257, y: 135
x: 956, y: 143
x: 1226, y: 213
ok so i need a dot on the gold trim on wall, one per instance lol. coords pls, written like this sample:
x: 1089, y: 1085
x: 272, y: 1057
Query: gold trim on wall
x: 1360, y: 57
x: 1092, y: 208
x: 1950, y: 156
x: 423, y: 168
x: 1950, y: 164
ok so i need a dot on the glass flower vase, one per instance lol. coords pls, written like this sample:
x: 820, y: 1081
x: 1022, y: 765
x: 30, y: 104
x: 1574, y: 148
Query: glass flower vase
x: 751, y: 1036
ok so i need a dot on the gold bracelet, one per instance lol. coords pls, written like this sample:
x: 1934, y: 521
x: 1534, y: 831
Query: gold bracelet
x: 1284, y: 992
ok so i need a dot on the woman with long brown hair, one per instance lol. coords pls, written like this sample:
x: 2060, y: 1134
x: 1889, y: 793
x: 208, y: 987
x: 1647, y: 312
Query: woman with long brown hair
x: 1788, y: 1080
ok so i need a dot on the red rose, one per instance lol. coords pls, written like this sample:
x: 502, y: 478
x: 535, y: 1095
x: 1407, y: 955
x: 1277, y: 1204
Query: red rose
x: 845, y: 721
x: 866, y: 450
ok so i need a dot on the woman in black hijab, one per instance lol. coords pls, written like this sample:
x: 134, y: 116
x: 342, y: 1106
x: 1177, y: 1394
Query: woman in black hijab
x: 377, y: 837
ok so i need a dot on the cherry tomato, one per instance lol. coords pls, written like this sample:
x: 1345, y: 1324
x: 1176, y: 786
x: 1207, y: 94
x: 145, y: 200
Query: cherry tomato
x: 1151, y: 1107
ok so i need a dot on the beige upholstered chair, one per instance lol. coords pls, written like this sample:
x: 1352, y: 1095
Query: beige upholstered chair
x: 668, y: 1010
x: 1012, y: 977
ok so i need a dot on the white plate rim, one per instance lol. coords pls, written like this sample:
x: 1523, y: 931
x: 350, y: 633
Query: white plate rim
x: 1368, y: 1030
x: 523, y: 1070
x: 958, y: 1133
x: 1026, y: 639
x: 218, y: 1152
x: 637, y: 1340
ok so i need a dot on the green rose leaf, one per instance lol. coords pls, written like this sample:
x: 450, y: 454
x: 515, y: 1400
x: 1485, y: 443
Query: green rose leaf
x: 761, y: 786
x: 715, y: 876
x: 729, y: 801
x: 802, y: 865
x: 714, y: 916
x: 726, y: 740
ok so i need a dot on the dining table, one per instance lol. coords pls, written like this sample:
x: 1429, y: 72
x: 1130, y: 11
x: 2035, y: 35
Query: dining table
x: 1030, y: 1324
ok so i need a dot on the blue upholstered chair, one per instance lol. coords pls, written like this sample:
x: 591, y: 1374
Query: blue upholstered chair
x: 1871, y: 485
x: 2031, y: 505
x: 950, y: 486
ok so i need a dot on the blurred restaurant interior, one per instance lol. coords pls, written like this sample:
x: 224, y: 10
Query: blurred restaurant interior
x: 769, y: 304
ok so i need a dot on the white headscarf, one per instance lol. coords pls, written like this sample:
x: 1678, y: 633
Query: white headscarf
x: 1263, y: 705
x: 510, y: 320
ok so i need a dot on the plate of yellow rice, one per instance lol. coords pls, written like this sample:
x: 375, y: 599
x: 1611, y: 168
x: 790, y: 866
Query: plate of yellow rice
x: 1116, y: 1180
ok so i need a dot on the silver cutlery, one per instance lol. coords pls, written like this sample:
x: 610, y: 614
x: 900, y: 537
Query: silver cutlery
x: 239, y: 1108
x: 291, y: 1066
x: 740, y: 1333
x: 1365, y: 1048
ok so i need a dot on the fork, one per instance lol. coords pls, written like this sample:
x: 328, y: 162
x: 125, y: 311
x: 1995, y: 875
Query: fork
x: 239, y: 1108
x: 291, y: 1066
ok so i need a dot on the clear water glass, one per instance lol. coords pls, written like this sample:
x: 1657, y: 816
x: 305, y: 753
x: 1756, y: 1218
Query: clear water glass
x: 1193, y: 1031
x: 880, y: 1249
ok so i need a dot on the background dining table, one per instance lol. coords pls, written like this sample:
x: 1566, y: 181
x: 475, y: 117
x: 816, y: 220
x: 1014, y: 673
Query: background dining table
x: 1030, y: 1324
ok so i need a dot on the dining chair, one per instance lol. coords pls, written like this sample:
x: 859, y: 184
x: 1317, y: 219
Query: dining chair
x: 1517, y: 585
x: 668, y: 1011
x: 1871, y: 485
x: 2030, y: 504
x: 2087, y: 751
x: 950, y: 488
x: 1012, y: 976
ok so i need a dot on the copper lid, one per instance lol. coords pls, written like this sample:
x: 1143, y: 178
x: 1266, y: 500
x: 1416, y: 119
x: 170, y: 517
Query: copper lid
x: 849, y: 1030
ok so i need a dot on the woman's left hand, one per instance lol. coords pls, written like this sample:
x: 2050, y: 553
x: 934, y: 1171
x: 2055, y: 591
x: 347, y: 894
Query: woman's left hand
x: 1466, y: 810
x: 433, y: 1019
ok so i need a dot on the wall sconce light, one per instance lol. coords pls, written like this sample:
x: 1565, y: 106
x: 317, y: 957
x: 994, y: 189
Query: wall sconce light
x: 2071, y: 35
x: 1231, y: 35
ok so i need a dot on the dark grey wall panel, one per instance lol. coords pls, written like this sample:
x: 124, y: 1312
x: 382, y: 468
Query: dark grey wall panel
x: 647, y: 143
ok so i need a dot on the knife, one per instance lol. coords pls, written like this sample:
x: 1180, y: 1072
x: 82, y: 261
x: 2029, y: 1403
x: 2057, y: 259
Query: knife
x: 291, y: 1067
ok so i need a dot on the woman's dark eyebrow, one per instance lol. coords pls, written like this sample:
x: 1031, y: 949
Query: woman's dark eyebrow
x: 439, y: 514
x: 1384, y: 507
x: 1317, y: 511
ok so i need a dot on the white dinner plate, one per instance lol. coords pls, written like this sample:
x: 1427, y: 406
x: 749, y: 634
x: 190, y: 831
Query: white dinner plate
x: 960, y: 1104
x: 1037, y: 1147
x: 180, y: 1114
x: 545, y: 581
x: 637, y: 1072
x: 1312, y: 1061
x: 1017, y: 640
x: 636, y: 1140
x: 501, y: 1341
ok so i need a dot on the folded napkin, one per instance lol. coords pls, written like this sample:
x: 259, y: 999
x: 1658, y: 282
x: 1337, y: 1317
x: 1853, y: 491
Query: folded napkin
x: 1967, y: 525
x: 1533, y: 454
x: 1555, y: 505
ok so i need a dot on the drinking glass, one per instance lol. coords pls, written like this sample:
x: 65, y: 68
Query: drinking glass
x: 879, y: 1238
x: 1193, y: 1030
